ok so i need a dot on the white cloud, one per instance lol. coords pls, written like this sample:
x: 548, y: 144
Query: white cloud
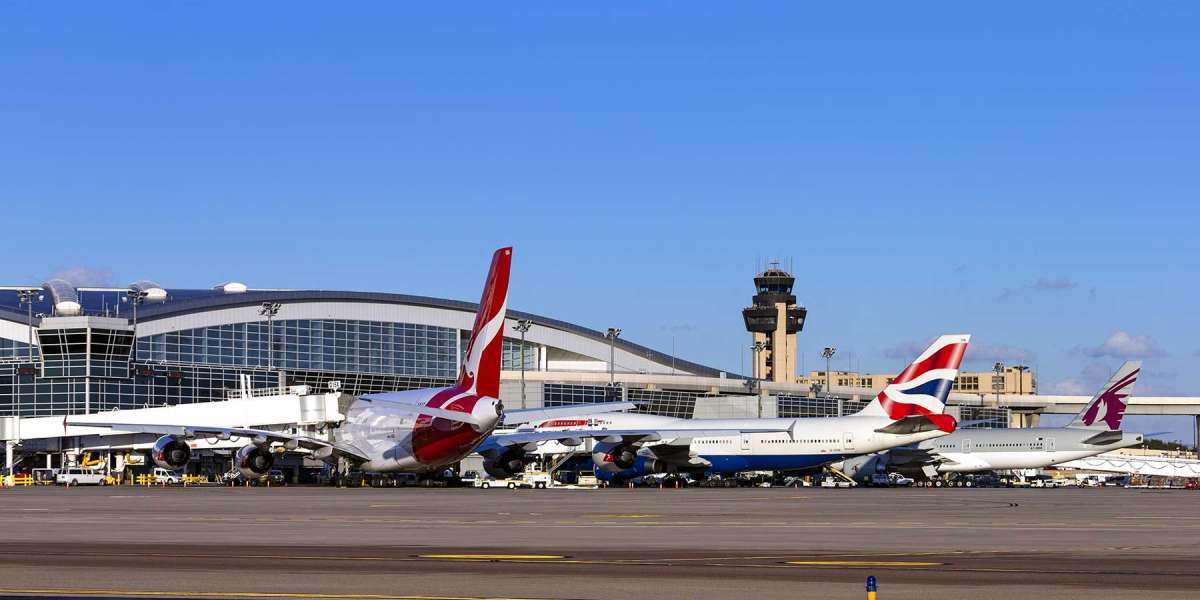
x: 1071, y: 386
x: 906, y: 350
x: 1052, y: 285
x: 997, y: 353
x: 1125, y: 346
x: 84, y: 277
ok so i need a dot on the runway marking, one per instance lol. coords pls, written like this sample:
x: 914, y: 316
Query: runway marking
x: 863, y: 563
x: 493, y: 556
x: 164, y: 594
x: 624, y: 516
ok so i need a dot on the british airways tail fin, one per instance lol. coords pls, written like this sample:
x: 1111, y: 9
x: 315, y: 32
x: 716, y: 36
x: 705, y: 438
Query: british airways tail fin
x: 480, y: 373
x: 1108, y: 407
x: 921, y: 389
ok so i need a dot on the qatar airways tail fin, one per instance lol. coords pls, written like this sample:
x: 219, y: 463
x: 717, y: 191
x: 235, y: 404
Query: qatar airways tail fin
x: 480, y: 373
x: 917, y: 396
x: 1107, y: 408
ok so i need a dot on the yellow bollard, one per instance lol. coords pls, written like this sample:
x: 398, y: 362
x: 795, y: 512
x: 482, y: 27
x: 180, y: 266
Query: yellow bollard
x: 871, y: 588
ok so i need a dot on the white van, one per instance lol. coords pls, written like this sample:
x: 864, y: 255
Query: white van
x: 80, y: 476
x: 165, y: 476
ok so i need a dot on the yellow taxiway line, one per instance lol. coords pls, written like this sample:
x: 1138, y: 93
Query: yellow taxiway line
x: 493, y: 556
x: 176, y: 594
x: 863, y: 563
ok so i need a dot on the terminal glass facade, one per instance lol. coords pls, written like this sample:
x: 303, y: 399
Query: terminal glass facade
x: 791, y: 407
x: 13, y: 350
x: 312, y: 344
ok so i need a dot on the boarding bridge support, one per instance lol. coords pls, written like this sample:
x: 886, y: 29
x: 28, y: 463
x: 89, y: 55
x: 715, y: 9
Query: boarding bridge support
x: 1024, y: 420
x: 8, y: 462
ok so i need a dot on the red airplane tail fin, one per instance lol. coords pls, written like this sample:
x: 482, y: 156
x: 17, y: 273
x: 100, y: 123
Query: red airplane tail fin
x: 480, y: 371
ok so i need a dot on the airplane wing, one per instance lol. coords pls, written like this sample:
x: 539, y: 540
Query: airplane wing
x: 511, y: 416
x: 527, y: 415
x: 622, y: 435
x: 320, y: 448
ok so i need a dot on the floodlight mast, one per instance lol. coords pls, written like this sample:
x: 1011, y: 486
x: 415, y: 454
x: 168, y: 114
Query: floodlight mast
x: 521, y: 327
x: 269, y: 310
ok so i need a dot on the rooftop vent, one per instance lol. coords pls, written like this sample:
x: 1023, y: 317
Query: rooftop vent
x: 153, y: 291
x: 232, y: 287
x: 66, y: 299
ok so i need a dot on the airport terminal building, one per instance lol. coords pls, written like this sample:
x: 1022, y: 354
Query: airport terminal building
x: 74, y: 350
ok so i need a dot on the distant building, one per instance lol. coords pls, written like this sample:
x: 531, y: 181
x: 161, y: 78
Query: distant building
x: 1014, y: 380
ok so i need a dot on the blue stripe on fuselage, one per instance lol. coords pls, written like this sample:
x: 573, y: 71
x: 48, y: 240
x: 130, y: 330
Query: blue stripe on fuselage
x: 731, y: 463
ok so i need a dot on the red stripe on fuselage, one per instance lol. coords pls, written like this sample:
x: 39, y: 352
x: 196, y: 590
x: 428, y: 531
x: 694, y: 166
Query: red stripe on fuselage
x: 441, y: 441
x: 948, y: 357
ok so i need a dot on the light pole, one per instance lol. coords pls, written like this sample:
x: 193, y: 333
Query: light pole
x: 758, y: 347
x: 998, y: 380
x: 613, y: 333
x: 828, y: 353
x: 135, y: 298
x: 26, y: 297
x: 1021, y: 369
x: 522, y: 326
x: 269, y: 310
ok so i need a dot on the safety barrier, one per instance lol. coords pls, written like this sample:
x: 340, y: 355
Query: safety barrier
x: 23, y: 480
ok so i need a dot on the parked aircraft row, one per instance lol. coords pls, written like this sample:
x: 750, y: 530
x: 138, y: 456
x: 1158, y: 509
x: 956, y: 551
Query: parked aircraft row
x: 428, y: 429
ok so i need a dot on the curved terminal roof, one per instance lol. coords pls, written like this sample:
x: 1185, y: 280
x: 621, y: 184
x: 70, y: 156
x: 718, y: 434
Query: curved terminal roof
x: 189, y: 301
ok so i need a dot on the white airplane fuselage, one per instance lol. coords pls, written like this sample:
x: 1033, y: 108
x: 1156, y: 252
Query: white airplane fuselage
x: 973, y: 450
x: 809, y: 442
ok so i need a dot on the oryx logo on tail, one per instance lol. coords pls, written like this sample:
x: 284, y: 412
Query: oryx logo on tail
x: 1108, y: 407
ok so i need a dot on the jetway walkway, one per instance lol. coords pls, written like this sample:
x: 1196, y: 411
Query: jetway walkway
x: 282, y: 409
x: 1137, y: 465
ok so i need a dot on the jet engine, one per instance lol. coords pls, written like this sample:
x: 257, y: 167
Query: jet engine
x: 254, y: 461
x: 506, y: 464
x: 614, y: 458
x: 171, y: 452
x: 861, y: 468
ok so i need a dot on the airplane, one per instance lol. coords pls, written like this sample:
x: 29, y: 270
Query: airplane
x: 907, y: 411
x: 421, y: 430
x: 1096, y: 429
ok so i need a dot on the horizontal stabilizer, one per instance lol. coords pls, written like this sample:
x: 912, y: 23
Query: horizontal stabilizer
x: 920, y: 423
x: 1104, y: 437
x: 418, y: 409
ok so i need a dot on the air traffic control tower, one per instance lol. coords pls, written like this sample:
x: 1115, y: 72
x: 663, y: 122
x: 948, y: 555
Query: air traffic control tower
x: 774, y: 320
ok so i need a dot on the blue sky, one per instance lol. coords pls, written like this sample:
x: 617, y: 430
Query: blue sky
x: 1025, y: 174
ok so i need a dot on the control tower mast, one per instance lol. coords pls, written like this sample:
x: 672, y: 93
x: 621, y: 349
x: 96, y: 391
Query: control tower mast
x: 773, y: 321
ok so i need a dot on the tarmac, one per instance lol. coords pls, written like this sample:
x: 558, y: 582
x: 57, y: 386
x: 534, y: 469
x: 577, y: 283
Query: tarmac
x: 351, y: 544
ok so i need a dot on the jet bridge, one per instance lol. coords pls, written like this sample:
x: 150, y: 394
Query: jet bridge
x: 294, y: 410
